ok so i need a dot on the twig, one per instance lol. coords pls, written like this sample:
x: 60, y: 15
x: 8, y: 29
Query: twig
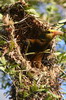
x: 40, y: 77
x: 61, y: 70
x: 15, y: 22
x: 32, y: 53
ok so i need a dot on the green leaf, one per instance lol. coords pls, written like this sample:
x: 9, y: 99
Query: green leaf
x: 63, y: 61
x: 34, y: 88
x: 33, y: 11
x: 57, y: 53
x: 20, y: 76
x: 30, y: 75
x: 1, y: 16
x: 2, y: 42
x: 12, y: 45
x: 42, y: 90
x: 54, y: 95
x: 3, y: 60
x: 2, y: 68
x: 62, y: 21
x: 25, y: 94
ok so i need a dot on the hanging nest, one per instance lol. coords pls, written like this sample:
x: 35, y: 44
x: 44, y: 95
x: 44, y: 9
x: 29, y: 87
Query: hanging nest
x: 30, y: 82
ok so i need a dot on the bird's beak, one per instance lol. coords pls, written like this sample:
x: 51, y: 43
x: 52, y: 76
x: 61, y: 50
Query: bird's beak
x: 56, y: 32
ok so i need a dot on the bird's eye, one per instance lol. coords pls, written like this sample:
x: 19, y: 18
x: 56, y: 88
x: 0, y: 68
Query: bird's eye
x: 47, y: 32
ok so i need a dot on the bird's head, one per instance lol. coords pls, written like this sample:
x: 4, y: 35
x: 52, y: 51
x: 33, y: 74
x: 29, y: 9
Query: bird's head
x: 51, y: 33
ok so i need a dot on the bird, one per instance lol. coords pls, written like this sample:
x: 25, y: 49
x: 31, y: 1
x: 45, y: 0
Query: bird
x: 37, y: 46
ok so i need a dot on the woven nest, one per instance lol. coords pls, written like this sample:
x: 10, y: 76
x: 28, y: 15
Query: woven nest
x: 19, y: 26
